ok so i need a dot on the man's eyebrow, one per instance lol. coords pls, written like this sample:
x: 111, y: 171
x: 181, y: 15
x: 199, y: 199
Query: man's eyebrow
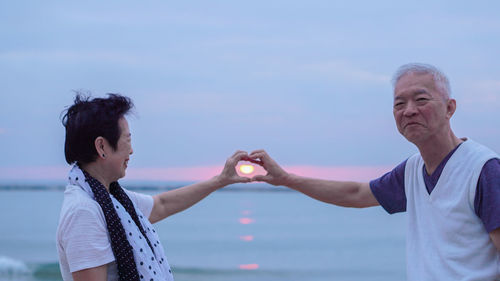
x: 415, y: 93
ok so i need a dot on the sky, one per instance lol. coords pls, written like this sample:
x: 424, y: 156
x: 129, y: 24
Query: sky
x: 309, y: 81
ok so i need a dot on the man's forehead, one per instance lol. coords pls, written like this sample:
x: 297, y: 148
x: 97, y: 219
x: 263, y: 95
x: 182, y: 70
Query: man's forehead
x: 415, y: 83
x: 413, y: 78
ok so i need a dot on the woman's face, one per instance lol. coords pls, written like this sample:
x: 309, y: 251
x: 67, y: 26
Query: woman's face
x: 118, y: 159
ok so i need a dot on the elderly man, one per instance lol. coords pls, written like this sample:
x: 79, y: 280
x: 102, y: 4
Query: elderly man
x: 450, y: 190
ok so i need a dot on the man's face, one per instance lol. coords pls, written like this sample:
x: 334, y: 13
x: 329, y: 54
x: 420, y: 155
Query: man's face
x: 421, y: 109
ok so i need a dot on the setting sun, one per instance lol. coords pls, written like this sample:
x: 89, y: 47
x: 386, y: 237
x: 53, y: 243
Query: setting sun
x: 246, y: 169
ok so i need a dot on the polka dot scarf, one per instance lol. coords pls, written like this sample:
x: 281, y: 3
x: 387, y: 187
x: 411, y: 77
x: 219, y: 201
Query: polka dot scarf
x: 134, y: 241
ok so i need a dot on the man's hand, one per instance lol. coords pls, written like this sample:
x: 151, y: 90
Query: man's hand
x: 275, y: 174
x: 228, y: 174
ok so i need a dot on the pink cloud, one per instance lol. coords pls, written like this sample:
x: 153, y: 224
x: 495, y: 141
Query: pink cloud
x: 355, y: 173
x: 174, y: 174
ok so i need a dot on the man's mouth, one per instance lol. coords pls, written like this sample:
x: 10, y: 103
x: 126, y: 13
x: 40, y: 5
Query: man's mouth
x: 411, y: 124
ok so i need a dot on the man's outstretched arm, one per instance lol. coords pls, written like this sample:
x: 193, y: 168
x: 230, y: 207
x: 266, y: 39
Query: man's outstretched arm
x: 495, y: 237
x: 346, y: 194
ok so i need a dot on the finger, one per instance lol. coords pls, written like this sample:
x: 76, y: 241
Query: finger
x: 258, y: 162
x: 238, y: 152
x: 236, y: 157
x: 256, y: 154
x: 243, y: 179
x: 260, y: 155
x: 252, y: 160
x: 257, y: 151
x: 243, y: 155
x: 263, y: 178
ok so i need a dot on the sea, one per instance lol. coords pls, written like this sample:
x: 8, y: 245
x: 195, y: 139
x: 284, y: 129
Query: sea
x: 250, y: 233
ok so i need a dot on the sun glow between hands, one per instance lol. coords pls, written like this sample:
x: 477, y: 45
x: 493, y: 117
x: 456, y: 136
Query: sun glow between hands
x: 246, y: 169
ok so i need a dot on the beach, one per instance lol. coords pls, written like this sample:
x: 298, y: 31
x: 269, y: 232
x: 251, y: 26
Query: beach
x: 243, y: 235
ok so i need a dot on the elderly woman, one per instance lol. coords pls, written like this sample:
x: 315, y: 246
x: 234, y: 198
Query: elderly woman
x: 105, y: 232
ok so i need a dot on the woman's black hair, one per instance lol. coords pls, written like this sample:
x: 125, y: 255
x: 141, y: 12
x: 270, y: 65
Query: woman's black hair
x: 88, y: 119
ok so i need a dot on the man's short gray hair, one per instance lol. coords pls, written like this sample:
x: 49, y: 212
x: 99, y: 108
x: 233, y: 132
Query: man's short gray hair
x: 421, y: 68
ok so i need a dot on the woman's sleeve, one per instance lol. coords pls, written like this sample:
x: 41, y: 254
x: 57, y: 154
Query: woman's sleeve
x: 85, y: 239
x: 143, y: 201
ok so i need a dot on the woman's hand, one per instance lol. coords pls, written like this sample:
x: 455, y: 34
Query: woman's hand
x: 228, y: 174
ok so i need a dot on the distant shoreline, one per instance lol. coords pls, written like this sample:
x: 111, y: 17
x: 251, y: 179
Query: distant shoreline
x: 254, y: 187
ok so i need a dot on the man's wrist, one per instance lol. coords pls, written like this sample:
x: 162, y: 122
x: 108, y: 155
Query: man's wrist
x: 291, y: 180
x: 288, y: 179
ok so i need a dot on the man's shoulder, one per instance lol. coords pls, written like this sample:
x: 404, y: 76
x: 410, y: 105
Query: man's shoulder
x: 490, y: 171
x: 474, y: 148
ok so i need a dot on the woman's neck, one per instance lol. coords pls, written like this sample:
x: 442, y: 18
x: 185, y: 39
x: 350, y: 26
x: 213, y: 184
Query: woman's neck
x: 94, y: 170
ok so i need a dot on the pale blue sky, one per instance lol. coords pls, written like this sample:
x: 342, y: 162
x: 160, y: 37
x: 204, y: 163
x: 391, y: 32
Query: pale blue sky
x: 307, y: 80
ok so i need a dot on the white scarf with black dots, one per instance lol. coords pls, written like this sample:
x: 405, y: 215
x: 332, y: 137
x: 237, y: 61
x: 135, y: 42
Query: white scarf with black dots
x: 151, y: 265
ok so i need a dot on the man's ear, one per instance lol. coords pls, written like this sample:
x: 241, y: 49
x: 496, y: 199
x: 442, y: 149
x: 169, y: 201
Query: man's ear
x: 451, y: 106
x: 100, y: 143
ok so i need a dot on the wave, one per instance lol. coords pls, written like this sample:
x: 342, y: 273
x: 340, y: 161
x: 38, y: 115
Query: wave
x: 12, y: 269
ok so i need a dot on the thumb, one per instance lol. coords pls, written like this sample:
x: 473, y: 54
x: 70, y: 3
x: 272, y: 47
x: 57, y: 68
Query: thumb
x: 243, y: 179
x: 263, y: 178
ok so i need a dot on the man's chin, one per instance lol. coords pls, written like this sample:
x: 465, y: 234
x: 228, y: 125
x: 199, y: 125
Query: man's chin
x: 416, y: 139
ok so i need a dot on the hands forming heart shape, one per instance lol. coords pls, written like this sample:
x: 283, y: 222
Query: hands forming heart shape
x: 275, y: 174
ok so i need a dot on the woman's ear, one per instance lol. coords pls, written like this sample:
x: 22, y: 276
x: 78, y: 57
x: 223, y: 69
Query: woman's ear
x: 99, y: 143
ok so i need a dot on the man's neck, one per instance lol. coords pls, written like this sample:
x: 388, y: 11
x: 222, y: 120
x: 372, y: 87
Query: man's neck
x: 435, y: 150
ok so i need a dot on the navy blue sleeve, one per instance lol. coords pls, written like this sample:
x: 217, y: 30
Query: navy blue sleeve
x: 389, y: 190
x: 487, y: 200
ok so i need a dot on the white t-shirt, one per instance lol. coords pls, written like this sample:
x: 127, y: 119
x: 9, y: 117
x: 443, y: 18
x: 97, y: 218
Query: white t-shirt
x: 82, y: 236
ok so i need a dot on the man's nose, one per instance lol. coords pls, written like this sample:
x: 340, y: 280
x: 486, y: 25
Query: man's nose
x: 410, y: 109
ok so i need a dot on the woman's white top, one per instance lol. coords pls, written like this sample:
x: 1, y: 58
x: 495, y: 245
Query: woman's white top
x: 82, y: 222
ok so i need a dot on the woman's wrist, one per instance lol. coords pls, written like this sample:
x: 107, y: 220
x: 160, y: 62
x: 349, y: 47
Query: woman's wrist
x: 218, y: 182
